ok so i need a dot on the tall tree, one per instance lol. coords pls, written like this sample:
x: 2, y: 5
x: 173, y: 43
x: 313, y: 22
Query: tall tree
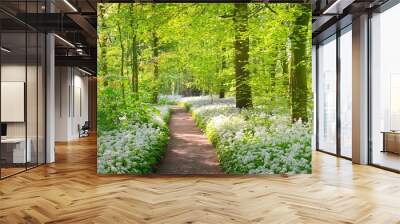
x: 155, y: 64
x: 155, y: 54
x: 298, y: 64
x: 102, y: 40
x: 254, y: 52
x: 121, y: 42
x: 243, y: 90
x: 134, y: 52
x: 222, y: 88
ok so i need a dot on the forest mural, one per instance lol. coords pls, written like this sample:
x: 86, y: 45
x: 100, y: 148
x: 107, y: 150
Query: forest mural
x: 204, y: 88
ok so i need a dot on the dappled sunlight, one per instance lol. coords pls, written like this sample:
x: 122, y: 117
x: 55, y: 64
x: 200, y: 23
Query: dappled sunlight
x: 194, y: 138
x: 189, y: 151
x: 237, y: 77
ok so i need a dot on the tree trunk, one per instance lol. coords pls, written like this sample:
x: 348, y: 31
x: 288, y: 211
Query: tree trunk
x: 155, y: 64
x: 135, y: 66
x: 122, y: 56
x: 285, y: 70
x: 134, y: 56
x: 298, y: 67
x: 221, y: 93
x: 222, y: 79
x: 272, y: 75
x: 243, y: 89
x: 102, y: 45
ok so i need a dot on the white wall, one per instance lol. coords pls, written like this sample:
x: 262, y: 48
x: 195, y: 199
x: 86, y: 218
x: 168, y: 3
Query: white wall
x: 70, y: 83
x: 16, y: 73
x: 80, y: 88
x: 13, y: 72
x: 33, y: 126
x: 62, y: 82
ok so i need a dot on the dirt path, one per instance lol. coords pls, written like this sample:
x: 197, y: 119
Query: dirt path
x: 189, y: 151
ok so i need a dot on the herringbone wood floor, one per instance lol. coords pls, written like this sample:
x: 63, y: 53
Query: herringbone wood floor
x: 70, y: 191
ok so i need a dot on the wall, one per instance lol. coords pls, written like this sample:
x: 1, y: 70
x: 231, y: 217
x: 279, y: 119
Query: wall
x: 12, y: 73
x: 71, y: 102
x: 15, y: 72
x: 62, y: 82
x: 33, y: 127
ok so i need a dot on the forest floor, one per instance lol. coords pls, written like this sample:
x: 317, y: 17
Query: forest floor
x: 188, y: 151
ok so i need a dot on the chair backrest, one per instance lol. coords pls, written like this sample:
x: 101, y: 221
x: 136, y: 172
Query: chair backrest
x: 86, y: 125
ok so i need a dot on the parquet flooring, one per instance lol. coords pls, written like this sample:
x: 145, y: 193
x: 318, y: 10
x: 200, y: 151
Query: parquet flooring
x: 10, y: 171
x: 70, y: 191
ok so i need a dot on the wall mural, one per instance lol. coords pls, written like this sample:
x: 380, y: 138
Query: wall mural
x: 204, y: 89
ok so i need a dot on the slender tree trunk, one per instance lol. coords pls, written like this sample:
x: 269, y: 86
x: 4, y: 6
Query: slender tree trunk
x: 135, y: 65
x: 298, y: 66
x: 265, y: 70
x: 285, y: 58
x: 285, y: 61
x: 221, y: 93
x: 122, y: 56
x: 102, y: 39
x: 272, y: 75
x: 155, y: 64
x: 243, y: 89
x: 285, y: 70
x: 134, y: 54
x: 222, y: 79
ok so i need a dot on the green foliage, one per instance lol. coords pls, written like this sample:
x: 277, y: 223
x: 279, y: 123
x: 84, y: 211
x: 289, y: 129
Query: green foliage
x: 254, y: 141
x: 195, y: 51
x: 135, y: 147
x: 149, y: 50
x: 113, y: 113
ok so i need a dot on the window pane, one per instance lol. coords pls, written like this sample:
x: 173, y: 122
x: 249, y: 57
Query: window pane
x: 346, y: 93
x: 386, y: 89
x: 15, y: 150
x: 327, y: 95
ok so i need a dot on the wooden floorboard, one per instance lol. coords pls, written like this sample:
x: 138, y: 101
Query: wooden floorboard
x: 70, y: 191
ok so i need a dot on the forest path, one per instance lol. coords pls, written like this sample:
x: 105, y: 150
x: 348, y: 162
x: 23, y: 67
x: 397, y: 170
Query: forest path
x: 188, y: 151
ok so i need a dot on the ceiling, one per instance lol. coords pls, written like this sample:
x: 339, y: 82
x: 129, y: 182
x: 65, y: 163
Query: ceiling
x: 73, y: 21
x: 330, y: 15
